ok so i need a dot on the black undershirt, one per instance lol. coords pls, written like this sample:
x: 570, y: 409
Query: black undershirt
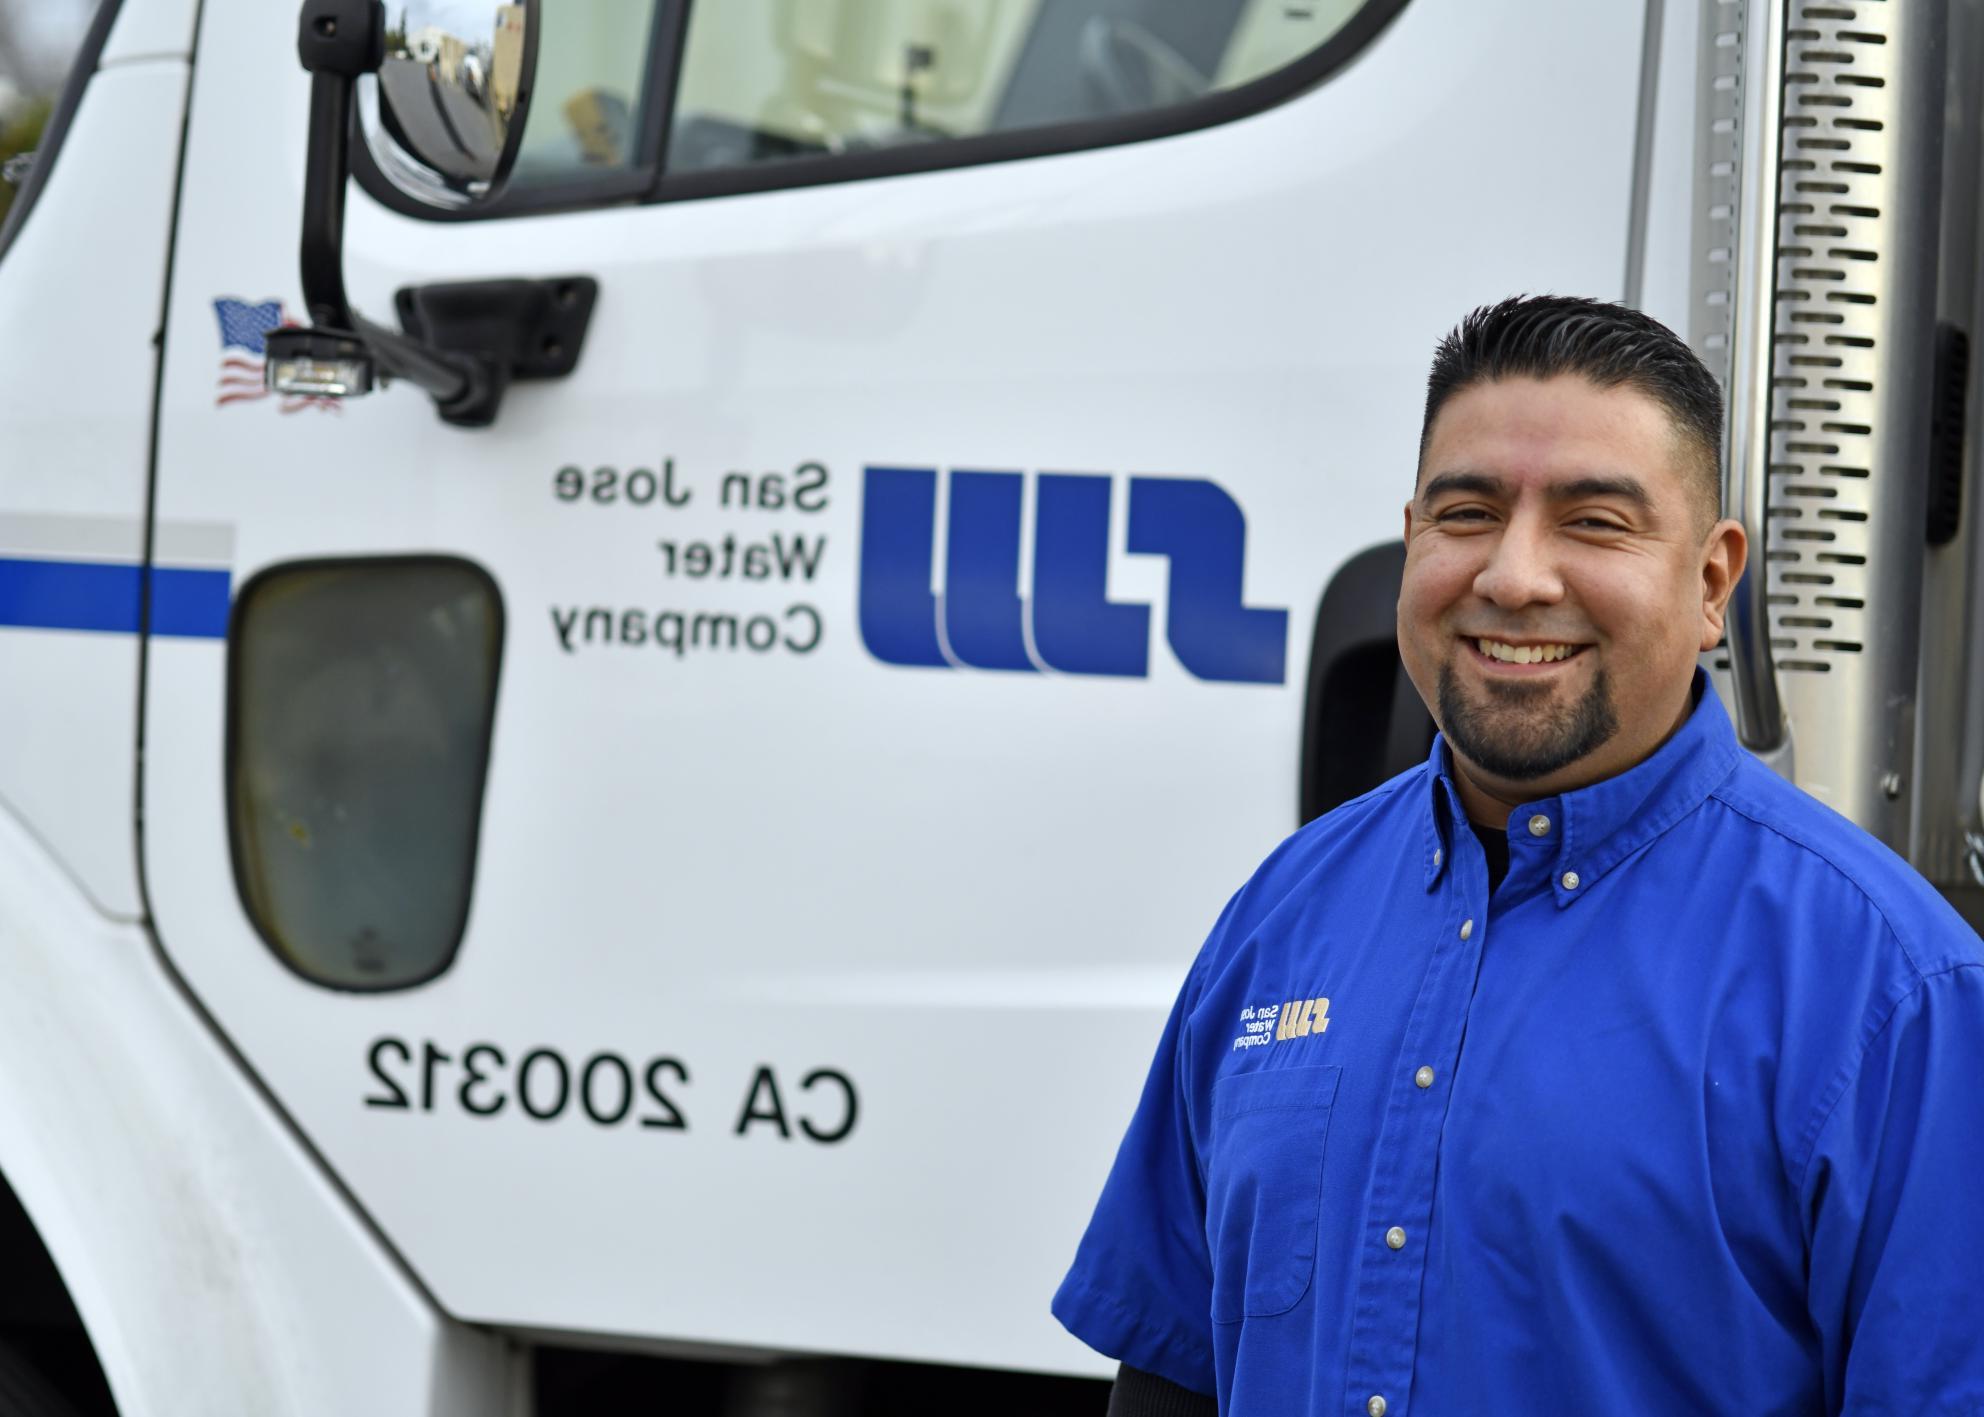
x: 1495, y: 842
x: 1141, y: 1394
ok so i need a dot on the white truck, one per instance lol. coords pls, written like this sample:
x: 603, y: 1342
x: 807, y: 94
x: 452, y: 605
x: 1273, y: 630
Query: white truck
x: 641, y: 862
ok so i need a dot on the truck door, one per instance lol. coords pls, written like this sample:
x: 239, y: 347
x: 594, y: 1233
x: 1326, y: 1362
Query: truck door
x: 707, y: 856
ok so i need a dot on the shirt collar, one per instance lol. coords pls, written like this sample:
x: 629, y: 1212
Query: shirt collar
x: 1598, y: 826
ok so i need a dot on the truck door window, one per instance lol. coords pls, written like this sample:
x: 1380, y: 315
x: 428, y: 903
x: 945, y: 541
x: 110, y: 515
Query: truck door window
x: 48, y: 49
x: 361, y: 695
x: 640, y: 100
x: 765, y: 80
x: 586, y: 111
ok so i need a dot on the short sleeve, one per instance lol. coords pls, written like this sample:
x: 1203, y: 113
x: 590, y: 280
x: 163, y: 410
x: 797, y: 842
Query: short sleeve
x: 1140, y: 1289
x: 1894, y: 1197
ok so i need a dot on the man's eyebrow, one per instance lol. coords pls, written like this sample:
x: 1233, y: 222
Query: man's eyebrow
x: 1629, y: 489
x: 1479, y: 483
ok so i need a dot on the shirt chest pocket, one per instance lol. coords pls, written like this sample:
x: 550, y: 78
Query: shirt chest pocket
x: 1264, y: 1188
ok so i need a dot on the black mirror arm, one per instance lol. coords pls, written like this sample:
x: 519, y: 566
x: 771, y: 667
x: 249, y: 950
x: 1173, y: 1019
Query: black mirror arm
x: 323, y: 202
x: 460, y: 385
x: 336, y: 42
x: 452, y: 380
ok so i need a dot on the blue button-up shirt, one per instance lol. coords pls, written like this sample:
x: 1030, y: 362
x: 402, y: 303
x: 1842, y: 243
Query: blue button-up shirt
x: 1687, y: 1117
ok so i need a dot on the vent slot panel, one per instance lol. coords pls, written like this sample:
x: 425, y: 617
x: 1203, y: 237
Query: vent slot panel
x: 1829, y: 373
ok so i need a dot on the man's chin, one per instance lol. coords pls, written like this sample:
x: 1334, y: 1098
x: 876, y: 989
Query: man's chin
x: 1513, y: 759
x: 1523, y: 730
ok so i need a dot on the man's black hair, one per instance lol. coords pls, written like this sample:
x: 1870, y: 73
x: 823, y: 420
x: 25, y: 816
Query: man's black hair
x: 1542, y: 336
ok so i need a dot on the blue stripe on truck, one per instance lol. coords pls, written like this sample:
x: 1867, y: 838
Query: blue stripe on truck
x: 88, y: 595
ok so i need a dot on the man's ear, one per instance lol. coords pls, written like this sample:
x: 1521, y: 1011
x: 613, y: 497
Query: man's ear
x: 1724, y: 555
x: 1408, y: 523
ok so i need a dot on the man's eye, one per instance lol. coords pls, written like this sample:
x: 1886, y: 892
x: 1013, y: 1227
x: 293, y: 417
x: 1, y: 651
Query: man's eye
x: 1464, y: 514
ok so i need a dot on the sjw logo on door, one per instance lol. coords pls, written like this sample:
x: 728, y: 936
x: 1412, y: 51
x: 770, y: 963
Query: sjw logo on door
x: 983, y: 620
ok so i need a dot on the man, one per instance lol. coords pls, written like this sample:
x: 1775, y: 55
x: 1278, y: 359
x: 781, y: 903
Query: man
x: 1588, y: 1068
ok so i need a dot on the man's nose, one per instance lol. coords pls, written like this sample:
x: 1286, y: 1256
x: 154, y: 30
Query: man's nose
x: 1520, y: 569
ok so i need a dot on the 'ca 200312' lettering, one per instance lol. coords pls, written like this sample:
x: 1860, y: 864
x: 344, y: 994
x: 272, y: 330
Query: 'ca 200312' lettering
x: 542, y: 1084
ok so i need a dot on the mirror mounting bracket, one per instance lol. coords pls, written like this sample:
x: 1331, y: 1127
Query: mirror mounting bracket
x: 513, y: 329
x: 463, y: 344
x: 346, y: 38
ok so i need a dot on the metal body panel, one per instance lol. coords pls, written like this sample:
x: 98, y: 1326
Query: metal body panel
x: 1751, y: 263
x: 1716, y: 133
x: 1949, y: 750
x: 215, y: 1266
x: 971, y: 892
x: 151, y: 29
x: 81, y: 296
x: 1858, y: 225
x: 1666, y: 290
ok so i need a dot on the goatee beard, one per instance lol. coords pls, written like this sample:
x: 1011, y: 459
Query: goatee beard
x: 1501, y: 739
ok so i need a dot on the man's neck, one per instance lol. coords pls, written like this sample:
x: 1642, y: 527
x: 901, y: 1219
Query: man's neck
x: 1483, y: 807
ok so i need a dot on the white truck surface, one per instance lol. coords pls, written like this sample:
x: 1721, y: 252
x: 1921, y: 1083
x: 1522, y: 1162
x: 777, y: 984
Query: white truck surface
x: 639, y: 863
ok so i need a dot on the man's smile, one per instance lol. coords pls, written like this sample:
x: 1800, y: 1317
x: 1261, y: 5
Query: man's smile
x: 1527, y: 658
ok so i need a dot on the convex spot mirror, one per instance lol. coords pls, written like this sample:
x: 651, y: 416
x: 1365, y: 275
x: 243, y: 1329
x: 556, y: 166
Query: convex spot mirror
x: 444, y: 116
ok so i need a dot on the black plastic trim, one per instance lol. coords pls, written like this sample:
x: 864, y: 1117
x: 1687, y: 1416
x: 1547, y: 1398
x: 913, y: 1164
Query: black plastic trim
x: 1362, y: 722
x: 1225, y: 106
x: 670, y: 42
x: 232, y: 745
x: 1947, y: 433
x: 341, y: 37
x: 81, y: 72
x: 530, y: 329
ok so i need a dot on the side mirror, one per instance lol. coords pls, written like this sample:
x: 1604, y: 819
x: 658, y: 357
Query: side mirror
x: 452, y: 107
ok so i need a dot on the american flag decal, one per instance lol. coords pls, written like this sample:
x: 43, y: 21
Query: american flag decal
x: 244, y: 354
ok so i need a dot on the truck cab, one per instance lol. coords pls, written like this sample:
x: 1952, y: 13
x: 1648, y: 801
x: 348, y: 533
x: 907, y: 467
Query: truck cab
x: 663, y: 877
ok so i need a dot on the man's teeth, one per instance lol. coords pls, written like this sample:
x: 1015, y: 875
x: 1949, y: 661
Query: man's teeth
x: 1525, y: 654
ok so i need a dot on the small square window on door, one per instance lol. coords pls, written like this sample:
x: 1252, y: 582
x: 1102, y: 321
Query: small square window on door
x: 361, y: 696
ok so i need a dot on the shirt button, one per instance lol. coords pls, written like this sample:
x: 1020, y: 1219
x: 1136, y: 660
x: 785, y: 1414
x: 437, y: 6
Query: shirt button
x: 1570, y: 880
x: 1539, y: 825
x: 1376, y: 1407
x: 1466, y: 928
x: 1424, y: 1077
x: 1438, y: 854
x: 1395, y: 1237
